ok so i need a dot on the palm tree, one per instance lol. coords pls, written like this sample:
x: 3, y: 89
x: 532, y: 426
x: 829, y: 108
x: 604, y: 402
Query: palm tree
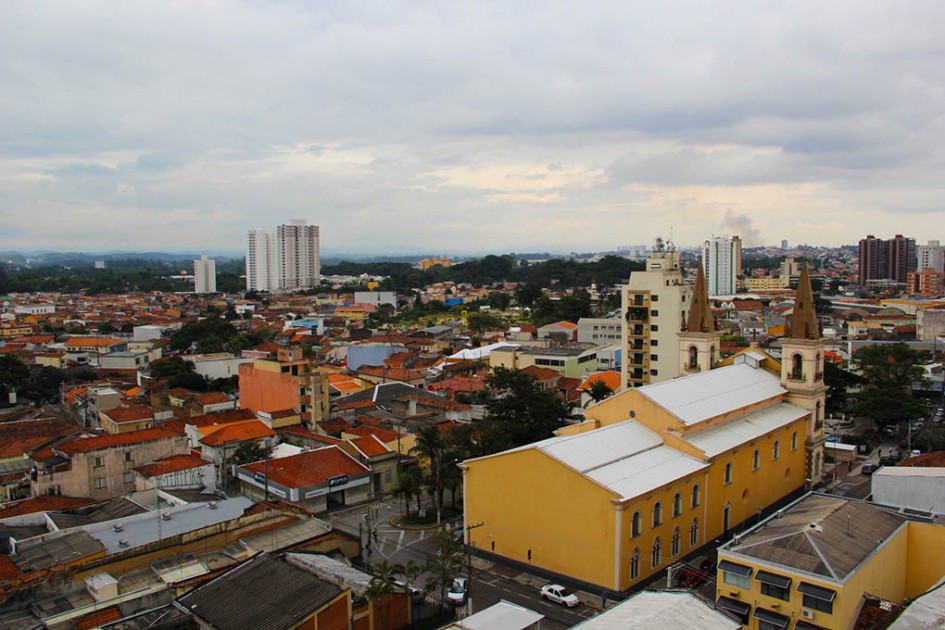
x: 599, y: 390
x: 382, y: 586
x: 410, y: 484
x: 430, y: 447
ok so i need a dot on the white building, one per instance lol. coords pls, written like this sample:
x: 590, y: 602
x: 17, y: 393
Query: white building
x: 721, y: 262
x: 654, y: 304
x: 284, y: 260
x: 931, y: 256
x: 376, y: 298
x: 205, y: 275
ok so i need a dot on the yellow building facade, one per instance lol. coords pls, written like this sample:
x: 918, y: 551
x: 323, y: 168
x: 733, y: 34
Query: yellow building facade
x: 658, y: 471
x: 810, y: 565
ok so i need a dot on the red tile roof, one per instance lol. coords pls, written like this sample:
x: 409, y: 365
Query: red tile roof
x: 213, y: 398
x: 308, y: 435
x: 87, y: 445
x: 364, y: 430
x: 98, y: 618
x: 371, y: 446
x: 44, y: 503
x: 170, y: 464
x: 542, y: 374
x: 308, y: 468
x: 358, y: 404
x: 129, y: 413
x: 236, y: 432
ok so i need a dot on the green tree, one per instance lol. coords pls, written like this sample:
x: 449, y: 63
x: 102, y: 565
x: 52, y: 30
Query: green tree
x: 13, y: 373
x: 520, y: 413
x: 599, y: 390
x: 431, y: 448
x: 382, y: 585
x: 249, y: 452
x: 890, y: 370
x: 445, y: 561
x: 409, y: 485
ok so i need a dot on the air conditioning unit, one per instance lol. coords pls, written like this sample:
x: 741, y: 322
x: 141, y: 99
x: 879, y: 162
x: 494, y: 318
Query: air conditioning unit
x: 734, y: 593
x: 807, y: 614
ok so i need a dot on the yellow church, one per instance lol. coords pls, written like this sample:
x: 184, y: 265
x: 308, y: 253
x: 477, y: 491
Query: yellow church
x: 658, y: 471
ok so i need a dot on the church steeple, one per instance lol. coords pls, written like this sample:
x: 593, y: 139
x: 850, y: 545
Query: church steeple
x: 804, y: 319
x: 802, y: 373
x: 699, y: 342
x: 700, y: 315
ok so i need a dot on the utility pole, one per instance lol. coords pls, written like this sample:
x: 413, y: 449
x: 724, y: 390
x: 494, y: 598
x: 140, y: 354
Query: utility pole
x: 469, y: 544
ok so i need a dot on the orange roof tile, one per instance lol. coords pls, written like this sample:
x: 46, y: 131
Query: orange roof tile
x: 213, y: 398
x: 44, y: 503
x: 235, y: 432
x: 99, y: 342
x: 129, y: 413
x: 308, y: 468
x: 371, y: 446
x: 610, y: 378
x: 87, y: 445
x: 382, y: 434
x: 171, y: 464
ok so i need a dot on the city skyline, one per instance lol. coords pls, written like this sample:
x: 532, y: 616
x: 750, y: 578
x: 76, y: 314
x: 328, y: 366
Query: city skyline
x: 421, y: 127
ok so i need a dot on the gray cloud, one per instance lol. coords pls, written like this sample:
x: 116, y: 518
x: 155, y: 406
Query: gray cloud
x: 468, y: 126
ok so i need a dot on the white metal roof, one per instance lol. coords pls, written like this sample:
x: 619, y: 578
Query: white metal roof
x: 702, y: 396
x: 742, y: 430
x: 501, y: 616
x: 597, y: 447
x: 483, y: 352
x: 910, y: 471
x: 645, y: 471
x: 652, y: 609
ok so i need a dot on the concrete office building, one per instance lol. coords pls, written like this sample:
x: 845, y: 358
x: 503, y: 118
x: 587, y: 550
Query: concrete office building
x: 930, y: 256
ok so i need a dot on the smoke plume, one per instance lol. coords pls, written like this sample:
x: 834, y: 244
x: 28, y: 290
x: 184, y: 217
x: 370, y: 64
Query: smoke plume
x: 741, y: 225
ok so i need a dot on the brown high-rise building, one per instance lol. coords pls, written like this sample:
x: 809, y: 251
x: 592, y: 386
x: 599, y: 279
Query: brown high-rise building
x: 889, y: 260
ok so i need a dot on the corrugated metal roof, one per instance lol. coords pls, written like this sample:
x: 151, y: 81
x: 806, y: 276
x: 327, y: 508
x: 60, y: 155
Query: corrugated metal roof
x: 646, y: 471
x: 652, y: 609
x: 742, y: 430
x: 585, y: 451
x: 706, y: 395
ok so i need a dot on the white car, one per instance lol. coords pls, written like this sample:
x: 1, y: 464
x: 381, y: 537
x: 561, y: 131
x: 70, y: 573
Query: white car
x: 557, y: 593
x: 457, y: 593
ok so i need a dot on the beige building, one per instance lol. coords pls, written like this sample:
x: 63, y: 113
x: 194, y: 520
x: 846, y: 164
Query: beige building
x: 101, y: 467
x: 655, y: 302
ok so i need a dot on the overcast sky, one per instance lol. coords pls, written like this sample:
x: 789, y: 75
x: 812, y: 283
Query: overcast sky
x: 449, y: 127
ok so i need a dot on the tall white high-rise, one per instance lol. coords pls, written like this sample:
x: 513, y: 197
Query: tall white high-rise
x: 931, y: 256
x: 721, y: 263
x: 286, y: 259
x: 205, y: 275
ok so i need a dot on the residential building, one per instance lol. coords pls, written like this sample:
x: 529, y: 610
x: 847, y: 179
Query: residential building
x: 126, y: 418
x: 205, y: 275
x: 262, y: 261
x: 287, y: 259
x: 886, y: 261
x: 930, y: 256
x: 600, y: 331
x: 101, y: 467
x: 721, y: 262
x: 653, y: 303
x: 662, y: 469
x: 321, y: 479
x: 928, y: 282
x: 573, y: 360
x: 286, y: 383
x: 813, y: 564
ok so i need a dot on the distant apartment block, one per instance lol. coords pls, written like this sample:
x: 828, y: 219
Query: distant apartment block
x: 287, y: 259
x: 428, y: 263
x: 205, y: 275
x: 930, y: 256
x: 721, y: 262
x: 886, y: 261
x: 927, y: 282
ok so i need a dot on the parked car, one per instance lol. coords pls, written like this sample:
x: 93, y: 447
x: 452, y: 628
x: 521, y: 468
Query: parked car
x: 416, y: 595
x: 557, y: 593
x: 915, y: 453
x: 869, y: 469
x: 457, y: 593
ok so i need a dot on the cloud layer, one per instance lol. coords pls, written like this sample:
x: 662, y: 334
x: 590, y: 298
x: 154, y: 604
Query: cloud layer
x: 450, y: 127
